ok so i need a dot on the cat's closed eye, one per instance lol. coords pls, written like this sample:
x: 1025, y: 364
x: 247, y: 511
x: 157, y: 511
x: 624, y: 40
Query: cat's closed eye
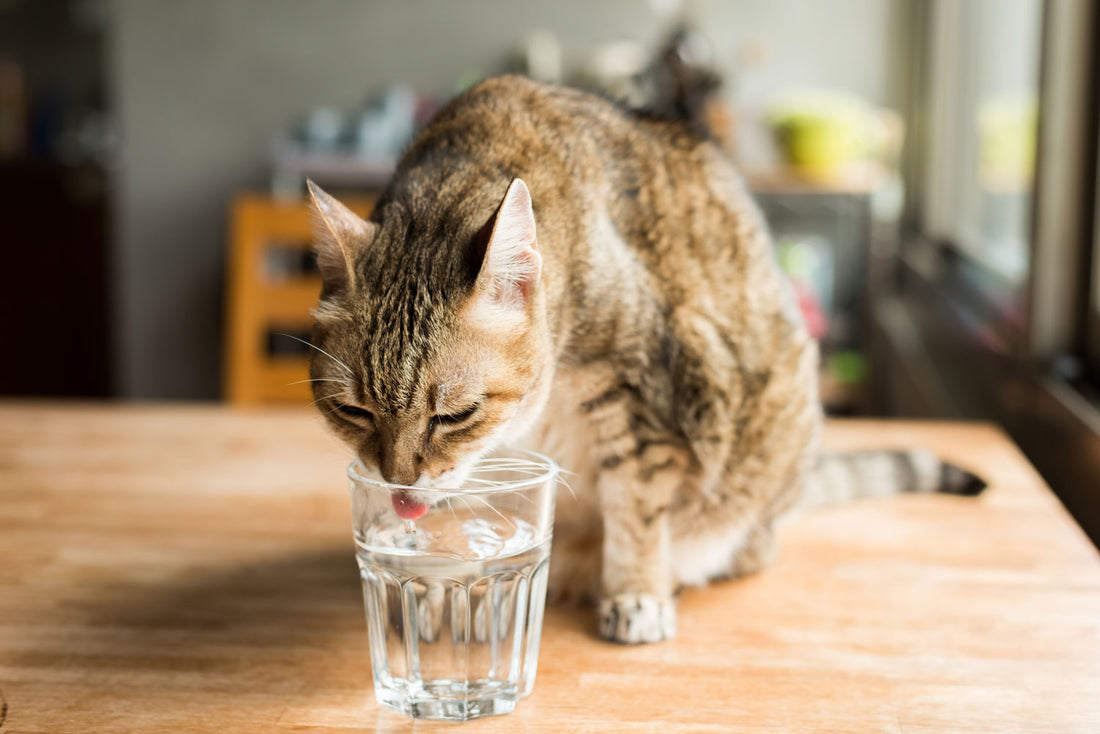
x: 356, y: 413
x: 456, y: 418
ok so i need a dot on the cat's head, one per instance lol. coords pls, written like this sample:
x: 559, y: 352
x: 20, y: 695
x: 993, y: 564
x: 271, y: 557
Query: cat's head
x: 432, y: 345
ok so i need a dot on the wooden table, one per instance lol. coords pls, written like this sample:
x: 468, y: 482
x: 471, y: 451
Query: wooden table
x: 190, y: 568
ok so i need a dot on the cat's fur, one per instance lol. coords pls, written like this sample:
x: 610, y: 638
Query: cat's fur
x: 548, y: 268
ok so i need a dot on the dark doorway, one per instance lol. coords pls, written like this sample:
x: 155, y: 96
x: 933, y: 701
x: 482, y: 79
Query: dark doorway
x: 57, y: 143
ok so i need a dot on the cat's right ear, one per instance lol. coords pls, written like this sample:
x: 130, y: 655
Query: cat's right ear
x: 338, y: 234
x: 512, y: 264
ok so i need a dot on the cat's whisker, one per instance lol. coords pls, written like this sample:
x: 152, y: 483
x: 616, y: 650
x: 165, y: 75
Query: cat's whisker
x: 331, y: 410
x: 328, y: 396
x: 505, y: 462
x: 533, y: 472
x: 509, y: 464
x: 521, y: 497
x: 482, y: 482
x: 322, y: 351
x: 323, y: 398
x: 319, y: 379
x: 447, y: 500
x: 565, y: 482
x: 520, y: 466
x: 465, y: 504
x: 487, y: 504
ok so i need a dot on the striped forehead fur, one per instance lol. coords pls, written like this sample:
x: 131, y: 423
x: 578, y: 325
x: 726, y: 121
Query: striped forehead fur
x: 412, y: 280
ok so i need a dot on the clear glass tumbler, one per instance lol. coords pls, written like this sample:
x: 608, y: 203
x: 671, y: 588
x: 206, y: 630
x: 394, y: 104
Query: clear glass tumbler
x: 454, y: 585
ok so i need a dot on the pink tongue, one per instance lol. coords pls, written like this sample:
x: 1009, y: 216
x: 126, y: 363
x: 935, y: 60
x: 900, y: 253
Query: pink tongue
x: 406, y: 508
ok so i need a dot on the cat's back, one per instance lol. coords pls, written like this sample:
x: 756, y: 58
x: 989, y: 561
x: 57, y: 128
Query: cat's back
x: 582, y: 156
x: 524, y: 125
x: 614, y: 190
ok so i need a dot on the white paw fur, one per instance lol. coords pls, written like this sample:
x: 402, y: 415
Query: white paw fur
x: 636, y: 618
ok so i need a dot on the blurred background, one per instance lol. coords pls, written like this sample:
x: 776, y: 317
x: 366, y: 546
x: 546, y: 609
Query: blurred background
x: 928, y: 168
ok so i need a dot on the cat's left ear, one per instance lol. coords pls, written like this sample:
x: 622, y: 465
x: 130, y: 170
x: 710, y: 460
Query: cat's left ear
x: 512, y: 265
x: 338, y: 234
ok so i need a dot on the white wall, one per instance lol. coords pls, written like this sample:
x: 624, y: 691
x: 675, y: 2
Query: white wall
x: 201, y: 87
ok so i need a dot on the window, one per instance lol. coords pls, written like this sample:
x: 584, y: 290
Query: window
x: 982, y: 115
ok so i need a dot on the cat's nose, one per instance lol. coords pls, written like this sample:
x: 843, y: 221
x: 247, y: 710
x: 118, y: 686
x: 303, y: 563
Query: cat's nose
x: 403, y: 471
x: 402, y: 478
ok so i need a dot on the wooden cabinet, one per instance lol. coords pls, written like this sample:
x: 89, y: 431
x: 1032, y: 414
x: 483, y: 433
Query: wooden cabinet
x: 271, y: 287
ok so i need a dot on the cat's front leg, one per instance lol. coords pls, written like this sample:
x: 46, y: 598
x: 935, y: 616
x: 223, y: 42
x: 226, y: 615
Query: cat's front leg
x: 636, y: 603
x: 636, y: 483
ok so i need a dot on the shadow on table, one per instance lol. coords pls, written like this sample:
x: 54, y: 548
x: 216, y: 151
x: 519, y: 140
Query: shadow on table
x: 273, y: 611
x: 298, y: 614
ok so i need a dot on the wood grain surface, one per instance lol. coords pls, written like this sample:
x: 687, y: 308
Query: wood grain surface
x: 190, y: 569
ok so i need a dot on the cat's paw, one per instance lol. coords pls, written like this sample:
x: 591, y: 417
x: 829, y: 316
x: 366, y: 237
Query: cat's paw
x: 636, y: 618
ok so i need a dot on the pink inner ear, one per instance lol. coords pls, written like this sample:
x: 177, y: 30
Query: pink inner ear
x: 523, y: 288
x: 338, y: 233
x: 512, y: 262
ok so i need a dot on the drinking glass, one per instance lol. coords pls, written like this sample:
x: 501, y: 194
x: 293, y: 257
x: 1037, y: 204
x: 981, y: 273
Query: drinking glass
x: 454, y: 585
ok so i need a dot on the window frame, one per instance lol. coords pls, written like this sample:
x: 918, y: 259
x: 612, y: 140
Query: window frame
x: 1091, y: 326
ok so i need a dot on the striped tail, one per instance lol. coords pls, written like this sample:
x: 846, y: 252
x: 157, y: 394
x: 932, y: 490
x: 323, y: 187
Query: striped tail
x: 839, y: 478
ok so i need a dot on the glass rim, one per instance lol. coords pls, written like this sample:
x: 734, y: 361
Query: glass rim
x: 551, y: 470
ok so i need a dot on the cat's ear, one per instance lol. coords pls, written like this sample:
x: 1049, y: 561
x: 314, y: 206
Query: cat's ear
x: 512, y: 264
x: 338, y: 234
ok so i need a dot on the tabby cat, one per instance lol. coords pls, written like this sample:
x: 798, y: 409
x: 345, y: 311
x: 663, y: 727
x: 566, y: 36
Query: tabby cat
x: 547, y: 268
